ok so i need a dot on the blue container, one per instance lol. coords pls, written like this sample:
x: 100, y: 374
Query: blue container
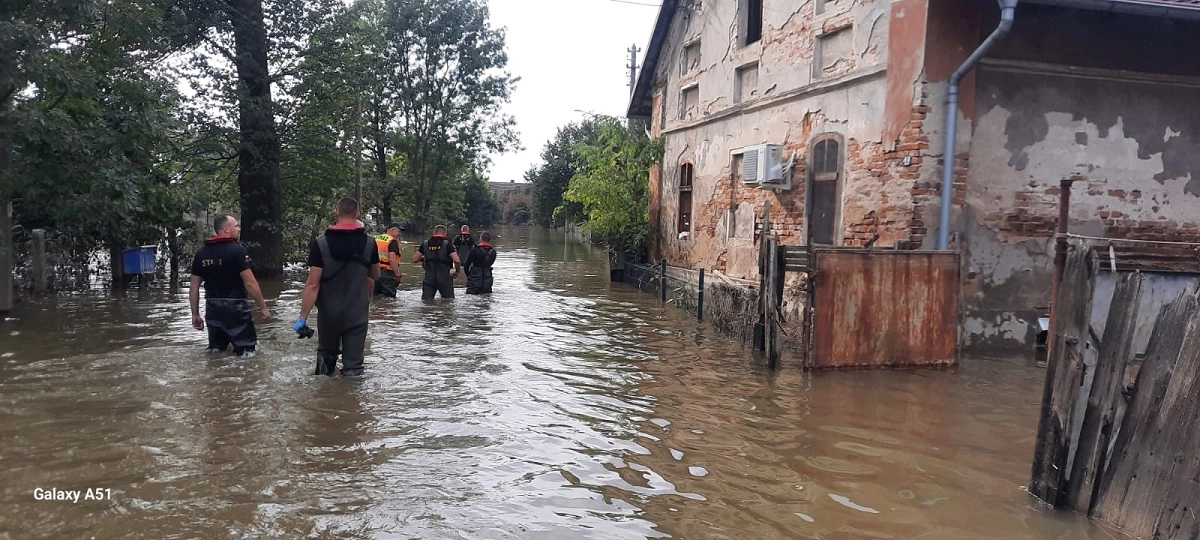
x: 140, y: 260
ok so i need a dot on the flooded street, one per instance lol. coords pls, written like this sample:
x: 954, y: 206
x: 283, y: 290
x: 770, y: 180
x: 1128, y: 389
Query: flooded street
x: 562, y: 406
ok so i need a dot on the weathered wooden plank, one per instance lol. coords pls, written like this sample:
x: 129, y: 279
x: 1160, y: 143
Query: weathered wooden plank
x: 1064, y: 375
x: 1129, y: 494
x: 760, y: 328
x: 1116, y: 348
x: 1177, y: 454
x: 773, y: 338
x: 1147, y: 257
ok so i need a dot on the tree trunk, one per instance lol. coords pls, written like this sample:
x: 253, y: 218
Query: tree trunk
x: 259, y: 154
x: 317, y: 229
x: 386, y: 208
x: 6, y: 224
x: 117, y: 261
x: 6, y: 245
x: 175, y: 246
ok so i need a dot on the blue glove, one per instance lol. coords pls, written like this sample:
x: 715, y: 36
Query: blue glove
x: 300, y: 325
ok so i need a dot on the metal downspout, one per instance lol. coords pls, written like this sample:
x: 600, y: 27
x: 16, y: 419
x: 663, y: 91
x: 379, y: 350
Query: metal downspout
x: 1007, y: 11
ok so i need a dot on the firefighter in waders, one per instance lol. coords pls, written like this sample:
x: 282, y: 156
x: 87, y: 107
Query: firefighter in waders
x: 463, y: 243
x: 224, y: 268
x: 388, y: 245
x: 479, y: 266
x: 438, y: 258
x: 343, y: 266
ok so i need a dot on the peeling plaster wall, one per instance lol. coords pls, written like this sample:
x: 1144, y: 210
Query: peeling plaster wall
x: 794, y: 101
x: 1127, y: 138
x: 1130, y: 147
x: 816, y: 74
x: 784, y: 55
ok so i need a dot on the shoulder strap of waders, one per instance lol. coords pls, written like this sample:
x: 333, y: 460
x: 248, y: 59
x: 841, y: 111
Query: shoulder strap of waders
x: 327, y: 258
x: 372, y: 256
x: 368, y: 258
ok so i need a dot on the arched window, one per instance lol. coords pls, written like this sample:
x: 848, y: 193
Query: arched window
x: 825, y: 176
x: 686, y: 173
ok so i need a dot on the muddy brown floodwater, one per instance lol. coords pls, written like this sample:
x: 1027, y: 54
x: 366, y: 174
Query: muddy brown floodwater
x: 562, y: 406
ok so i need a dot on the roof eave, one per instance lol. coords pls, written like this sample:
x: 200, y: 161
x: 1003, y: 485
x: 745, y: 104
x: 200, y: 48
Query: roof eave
x: 641, y: 102
x: 1176, y: 9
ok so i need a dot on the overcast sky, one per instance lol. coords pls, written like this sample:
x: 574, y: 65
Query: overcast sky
x: 569, y: 54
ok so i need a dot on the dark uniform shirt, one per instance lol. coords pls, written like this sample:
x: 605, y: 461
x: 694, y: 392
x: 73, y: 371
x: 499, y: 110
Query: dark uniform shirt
x: 220, y: 265
x: 463, y: 244
x: 344, y: 245
x: 482, y: 256
x: 435, y: 250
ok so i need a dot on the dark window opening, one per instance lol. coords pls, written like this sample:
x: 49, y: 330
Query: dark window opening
x: 754, y: 21
x: 685, y: 211
x: 823, y: 199
x: 686, y: 172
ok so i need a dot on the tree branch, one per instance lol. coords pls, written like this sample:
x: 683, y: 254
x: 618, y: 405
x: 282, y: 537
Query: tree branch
x: 221, y: 49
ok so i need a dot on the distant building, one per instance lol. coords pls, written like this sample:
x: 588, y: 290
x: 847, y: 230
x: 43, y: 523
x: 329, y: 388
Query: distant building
x: 509, y: 186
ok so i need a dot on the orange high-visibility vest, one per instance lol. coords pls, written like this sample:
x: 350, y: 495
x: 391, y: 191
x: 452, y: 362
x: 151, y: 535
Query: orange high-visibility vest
x: 381, y: 242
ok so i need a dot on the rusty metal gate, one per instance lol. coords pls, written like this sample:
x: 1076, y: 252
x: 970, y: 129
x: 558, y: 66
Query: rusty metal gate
x: 884, y: 308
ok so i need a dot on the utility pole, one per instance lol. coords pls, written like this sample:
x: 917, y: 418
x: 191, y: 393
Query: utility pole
x: 633, y: 73
x: 633, y: 67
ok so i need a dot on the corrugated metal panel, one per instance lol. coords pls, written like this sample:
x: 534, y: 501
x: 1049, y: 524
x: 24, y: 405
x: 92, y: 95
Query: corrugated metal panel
x: 885, y: 308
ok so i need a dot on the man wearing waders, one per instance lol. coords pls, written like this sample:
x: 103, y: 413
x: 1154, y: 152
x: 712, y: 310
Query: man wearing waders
x: 389, y: 261
x: 463, y: 243
x: 225, y: 269
x: 479, y: 266
x: 437, y: 254
x: 343, y: 266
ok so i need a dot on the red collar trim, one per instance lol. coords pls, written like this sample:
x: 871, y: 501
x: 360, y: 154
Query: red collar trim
x: 347, y: 227
x: 220, y: 238
x: 442, y: 236
x: 485, y: 245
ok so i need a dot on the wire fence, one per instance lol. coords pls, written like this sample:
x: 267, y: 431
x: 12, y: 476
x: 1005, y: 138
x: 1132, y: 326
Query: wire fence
x: 730, y: 308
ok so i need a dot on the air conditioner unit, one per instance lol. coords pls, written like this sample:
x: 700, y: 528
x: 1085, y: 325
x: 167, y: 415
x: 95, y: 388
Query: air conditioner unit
x: 760, y: 163
x: 784, y: 174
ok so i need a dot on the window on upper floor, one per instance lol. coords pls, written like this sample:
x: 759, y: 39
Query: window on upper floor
x: 750, y: 21
x: 745, y: 84
x: 690, y: 59
x: 689, y: 102
x: 832, y: 52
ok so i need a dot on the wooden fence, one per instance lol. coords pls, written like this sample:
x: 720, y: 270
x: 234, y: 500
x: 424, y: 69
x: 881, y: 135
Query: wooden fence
x: 1126, y: 454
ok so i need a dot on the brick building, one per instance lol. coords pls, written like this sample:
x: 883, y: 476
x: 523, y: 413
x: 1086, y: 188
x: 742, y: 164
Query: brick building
x: 854, y: 93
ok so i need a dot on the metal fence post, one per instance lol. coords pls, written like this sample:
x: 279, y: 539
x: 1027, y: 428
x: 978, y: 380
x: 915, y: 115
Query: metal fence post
x: 662, y: 279
x: 700, y: 297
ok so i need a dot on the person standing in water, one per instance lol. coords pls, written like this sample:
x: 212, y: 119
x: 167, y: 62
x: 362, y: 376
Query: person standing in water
x: 463, y: 243
x: 438, y: 256
x: 225, y: 270
x: 388, y: 245
x: 343, y: 266
x: 479, y: 266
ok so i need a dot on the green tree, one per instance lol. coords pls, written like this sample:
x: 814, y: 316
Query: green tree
x: 258, y: 44
x: 560, y: 163
x: 481, y: 207
x: 87, y: 129
x: 448, y: 65
x: 612, y: 185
